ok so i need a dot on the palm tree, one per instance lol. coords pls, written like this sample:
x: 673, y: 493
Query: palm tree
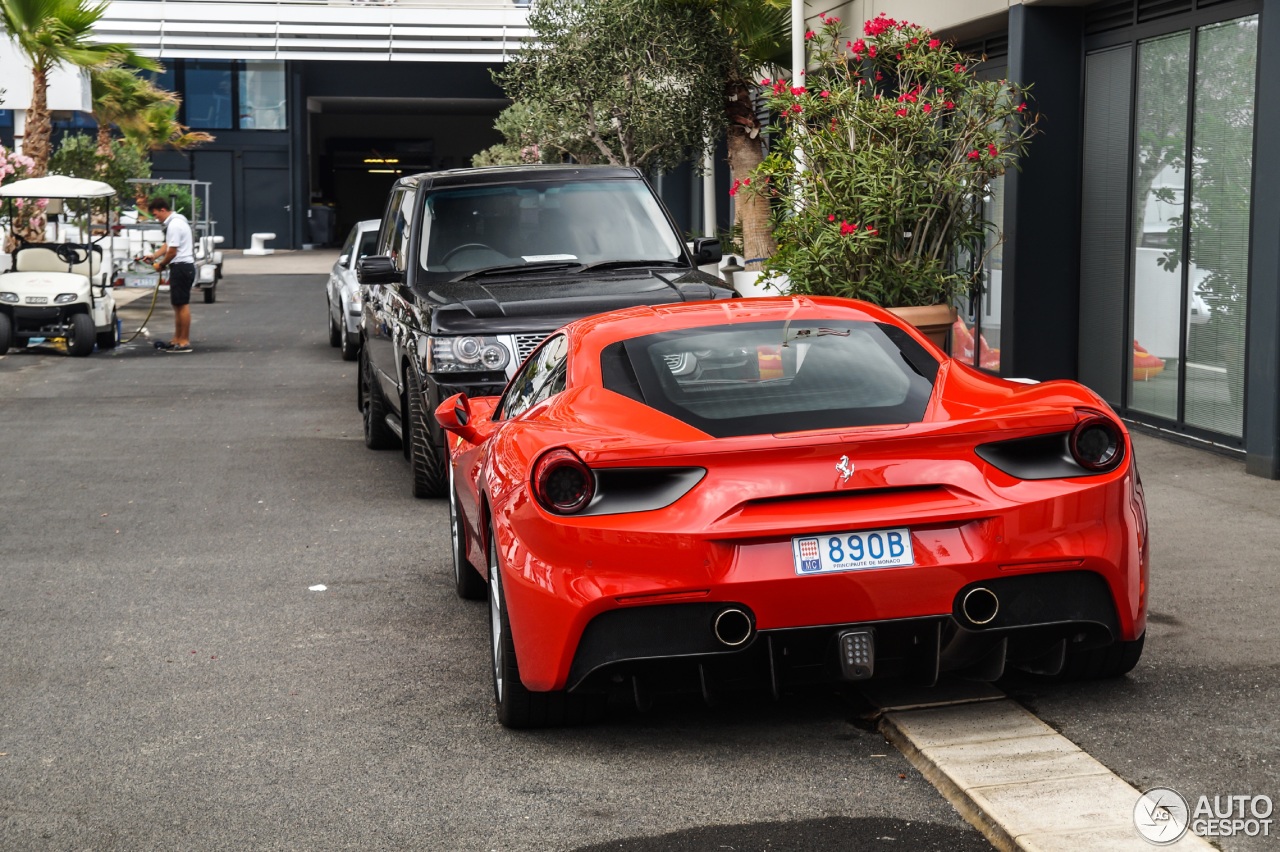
x: 760, y: 35
x: 158, y: 127
x: 123, y: 97
x: 49, y: 33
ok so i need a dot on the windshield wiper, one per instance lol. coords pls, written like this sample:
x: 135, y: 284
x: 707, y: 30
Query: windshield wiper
x: 629, y: 264
x: 540, y: 266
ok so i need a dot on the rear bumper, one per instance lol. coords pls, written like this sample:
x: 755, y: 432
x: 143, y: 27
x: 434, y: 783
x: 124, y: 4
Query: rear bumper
x: 1062, y: 567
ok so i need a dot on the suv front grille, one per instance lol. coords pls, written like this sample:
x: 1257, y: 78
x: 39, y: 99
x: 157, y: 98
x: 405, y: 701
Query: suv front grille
x: 526, y: 343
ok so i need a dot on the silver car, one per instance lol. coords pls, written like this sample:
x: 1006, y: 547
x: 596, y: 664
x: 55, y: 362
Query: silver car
x: 344, y: 292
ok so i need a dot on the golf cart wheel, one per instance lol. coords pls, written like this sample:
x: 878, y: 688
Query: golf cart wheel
x: 110, y: 338
x: 6, y: 333
x: 82, y: 337
x: 210, y: 294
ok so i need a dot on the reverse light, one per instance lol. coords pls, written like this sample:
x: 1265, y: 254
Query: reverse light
x: 562, y: 482
x: 11, y: 298
x: 466, y: 354
x: 64, y: 298
x: 1096, y: 444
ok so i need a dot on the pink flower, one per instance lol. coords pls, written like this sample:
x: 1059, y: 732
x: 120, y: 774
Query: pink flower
x: 831, y: 218
x: 950, y: 105
x: 1021, y: 107
x: 859, y: 46
x: 846, y: 229
x: 766, y: 81
x: 797, y: 108
x: 902, y: 113
x: 746, y: 182
x: 959, y: 69
x: 797, y: 90
x: 871, y: 51
x: 824, y: 94
x: 733, y: 190
x: 973, y: 155
x: 809, y: 35
x: 991, y: 150
x: 927, y: 108
x: 934, y: 43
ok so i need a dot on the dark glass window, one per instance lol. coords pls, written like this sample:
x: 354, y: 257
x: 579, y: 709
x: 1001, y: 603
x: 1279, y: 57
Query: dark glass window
x: 775, y: 377
x: 207, y: 94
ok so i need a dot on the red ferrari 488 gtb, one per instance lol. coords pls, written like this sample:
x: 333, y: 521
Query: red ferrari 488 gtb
x: 791, y: 489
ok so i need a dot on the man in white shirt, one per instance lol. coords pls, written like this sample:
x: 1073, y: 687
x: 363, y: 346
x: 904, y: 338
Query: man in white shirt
x: 178, y: 256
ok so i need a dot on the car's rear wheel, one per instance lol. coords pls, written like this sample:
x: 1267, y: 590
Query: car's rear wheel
x: 110, y: 338
x: 425, y: 460
x: 82, y: 337
x: 377, y: 434
x: 1112, y: 660
x: 335, y: 335
x: 6, y: 333
x: 467, y: 582
x: 517, y: 706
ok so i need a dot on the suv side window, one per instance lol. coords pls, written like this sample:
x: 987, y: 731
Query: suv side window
x: 544, y: 375
x: 397, y: 225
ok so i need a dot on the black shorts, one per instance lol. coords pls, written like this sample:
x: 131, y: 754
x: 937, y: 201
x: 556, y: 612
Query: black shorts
x: 181, y: 277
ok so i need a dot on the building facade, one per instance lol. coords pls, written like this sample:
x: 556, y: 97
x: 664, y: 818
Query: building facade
x: 1141, y: 249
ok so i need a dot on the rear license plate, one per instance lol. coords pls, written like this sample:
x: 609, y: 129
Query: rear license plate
x: 852, y: 551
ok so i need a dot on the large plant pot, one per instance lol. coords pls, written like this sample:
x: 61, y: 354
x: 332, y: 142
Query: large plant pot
x: 934, y: 321
x: 755, y: 284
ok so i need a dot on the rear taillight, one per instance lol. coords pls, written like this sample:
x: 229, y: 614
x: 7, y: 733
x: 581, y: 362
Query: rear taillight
x: 1096, y: 443
x: 562, y: 482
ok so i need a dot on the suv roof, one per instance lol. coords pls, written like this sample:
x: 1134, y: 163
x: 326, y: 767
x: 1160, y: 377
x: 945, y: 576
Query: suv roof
x: 481, y: 175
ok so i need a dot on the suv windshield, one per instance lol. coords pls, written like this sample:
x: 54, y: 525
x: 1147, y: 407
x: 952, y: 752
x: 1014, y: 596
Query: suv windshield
x: 773, y: 377
x: 553, y: 224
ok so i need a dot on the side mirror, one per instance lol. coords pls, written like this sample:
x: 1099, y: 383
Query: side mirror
x: 378, y: 269
x: 455, y: 416
x: 342, y: 259
x: 707, y: 250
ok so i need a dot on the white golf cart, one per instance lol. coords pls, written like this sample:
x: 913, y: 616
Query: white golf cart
x: 58, y: 290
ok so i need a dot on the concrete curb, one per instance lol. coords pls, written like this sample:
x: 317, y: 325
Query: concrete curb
x: 1018, y: 781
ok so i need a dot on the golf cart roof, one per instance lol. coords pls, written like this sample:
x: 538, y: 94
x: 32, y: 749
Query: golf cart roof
x: 56, y: 186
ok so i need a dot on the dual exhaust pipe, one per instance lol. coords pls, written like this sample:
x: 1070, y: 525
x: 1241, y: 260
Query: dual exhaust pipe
x: 733, y: 628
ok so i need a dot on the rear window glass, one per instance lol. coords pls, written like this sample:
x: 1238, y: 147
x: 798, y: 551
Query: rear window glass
x: 774, y: 377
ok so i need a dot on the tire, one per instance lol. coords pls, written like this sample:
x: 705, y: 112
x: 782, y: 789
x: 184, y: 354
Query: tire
x: 110, y: 339
x: 83, y: 336
x: 517, y: 706
x: 6, y: 333
x: 335, y: 337
x: 425, y: 459
x: 377, y: 434
x: 211, y: 294
x: 467, y: 581
x: 1114, y: 660
x: 350, y: 344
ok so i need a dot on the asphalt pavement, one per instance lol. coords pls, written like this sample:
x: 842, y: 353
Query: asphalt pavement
x: 170, y: 680
x: 174, y: 677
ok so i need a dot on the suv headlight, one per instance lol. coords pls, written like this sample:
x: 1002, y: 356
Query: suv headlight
x: 64, y: 298
x: 11, y: 298
x: 466, y: 355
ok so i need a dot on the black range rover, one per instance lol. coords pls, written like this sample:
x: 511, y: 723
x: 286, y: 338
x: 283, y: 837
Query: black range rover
x: 474, y: 267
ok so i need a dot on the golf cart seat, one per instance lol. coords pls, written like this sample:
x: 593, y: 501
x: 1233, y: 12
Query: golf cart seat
x: 43, y: 257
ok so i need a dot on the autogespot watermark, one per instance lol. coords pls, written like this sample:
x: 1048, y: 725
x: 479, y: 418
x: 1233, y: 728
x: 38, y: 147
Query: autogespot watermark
x: 1162, y: 816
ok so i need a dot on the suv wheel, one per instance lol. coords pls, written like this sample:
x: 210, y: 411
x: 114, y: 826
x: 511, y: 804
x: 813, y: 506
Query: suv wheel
x: 424, y: 458
x: 350, y: 344
x: 377, y: 434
